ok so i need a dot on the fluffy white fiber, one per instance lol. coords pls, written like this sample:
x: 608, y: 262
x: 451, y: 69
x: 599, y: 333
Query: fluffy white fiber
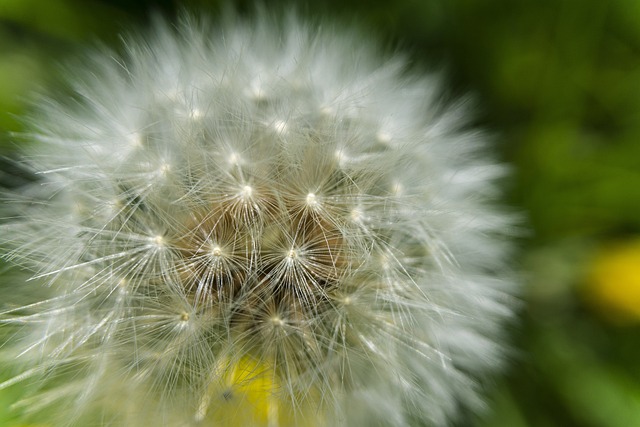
x: 253, y: 223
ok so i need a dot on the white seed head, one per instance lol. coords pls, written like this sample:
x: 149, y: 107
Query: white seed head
x: 216, y: 266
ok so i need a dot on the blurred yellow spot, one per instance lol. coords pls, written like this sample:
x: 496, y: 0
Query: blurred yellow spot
x: 614, y: 282
x: 249, y: 393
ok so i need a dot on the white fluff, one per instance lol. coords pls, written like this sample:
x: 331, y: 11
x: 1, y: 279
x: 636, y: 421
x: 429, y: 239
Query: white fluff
x: 259, y: 191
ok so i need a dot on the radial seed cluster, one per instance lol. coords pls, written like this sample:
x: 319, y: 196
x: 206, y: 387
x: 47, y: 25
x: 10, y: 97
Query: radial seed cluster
x: 258, y: 224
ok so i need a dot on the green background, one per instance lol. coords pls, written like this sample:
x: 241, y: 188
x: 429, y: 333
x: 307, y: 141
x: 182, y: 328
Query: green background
x: 557, y: 82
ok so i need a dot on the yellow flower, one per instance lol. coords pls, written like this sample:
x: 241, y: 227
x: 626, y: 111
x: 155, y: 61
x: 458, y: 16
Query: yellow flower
x: 614, y: 281
x: 248, y: 395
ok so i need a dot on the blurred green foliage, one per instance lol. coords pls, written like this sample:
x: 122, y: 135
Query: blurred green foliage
x: 557, y: 82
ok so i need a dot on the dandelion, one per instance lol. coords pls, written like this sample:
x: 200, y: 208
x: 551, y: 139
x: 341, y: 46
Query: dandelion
x: 257, y: 224
x: 612, y: 282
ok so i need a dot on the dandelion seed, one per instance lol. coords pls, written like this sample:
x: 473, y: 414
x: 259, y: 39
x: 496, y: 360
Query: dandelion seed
x: 280, y: 126
x: 246, y: 192
x: 196, y: 114
x: 217, y: 266
x: 216, y: 251
x: 312, y: 200
x: 383, y: 137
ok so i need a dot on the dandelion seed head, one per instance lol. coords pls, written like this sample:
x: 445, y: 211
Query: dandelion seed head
x: 260, y: 224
